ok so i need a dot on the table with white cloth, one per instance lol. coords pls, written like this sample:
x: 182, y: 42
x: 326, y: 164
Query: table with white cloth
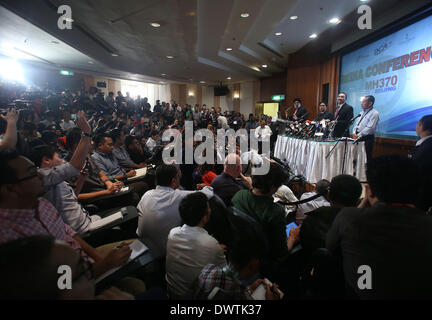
x: 308, y: 158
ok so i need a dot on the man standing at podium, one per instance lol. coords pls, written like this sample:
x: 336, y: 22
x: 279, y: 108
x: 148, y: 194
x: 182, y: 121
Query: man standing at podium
x: 344, y: 113
x: 365, y: 127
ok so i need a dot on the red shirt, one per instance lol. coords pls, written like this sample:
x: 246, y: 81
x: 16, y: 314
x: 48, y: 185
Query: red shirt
x: 208, y: 177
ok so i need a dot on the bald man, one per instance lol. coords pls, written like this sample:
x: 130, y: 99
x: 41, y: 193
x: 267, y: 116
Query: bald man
x: 226, y: 184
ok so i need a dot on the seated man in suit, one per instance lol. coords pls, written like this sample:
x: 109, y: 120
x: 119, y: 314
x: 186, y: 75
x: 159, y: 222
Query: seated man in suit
x: 386, y: 243
x: 344, y: 113
x: 423, y: 157
x: 225, y: 185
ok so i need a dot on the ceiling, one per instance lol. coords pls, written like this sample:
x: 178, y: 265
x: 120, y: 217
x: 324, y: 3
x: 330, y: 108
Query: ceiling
x: 195, y: 32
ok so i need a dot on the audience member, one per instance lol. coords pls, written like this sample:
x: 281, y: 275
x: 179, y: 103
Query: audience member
x: 225, y: 185
x: 159, y: 209
x: 344, y: 191
x: 190, y: 248
x: 423, y: 157
x: 321, y: 188
x: 389, y: 238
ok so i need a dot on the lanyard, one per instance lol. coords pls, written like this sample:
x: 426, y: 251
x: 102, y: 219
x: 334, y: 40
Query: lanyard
x: 364, y: 116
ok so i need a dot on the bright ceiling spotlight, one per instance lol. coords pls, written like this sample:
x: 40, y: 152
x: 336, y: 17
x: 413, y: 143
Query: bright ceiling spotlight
x: 244, y: 15
x: 155, y: 24
x: 11, y: 70
x: 294, y: 17
x: 278, y: 33
x: 313, y: 36
x: 335, y: 21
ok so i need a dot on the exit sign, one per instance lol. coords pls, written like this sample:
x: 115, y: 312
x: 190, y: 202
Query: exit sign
x: 66, y: 73
x: 279, y: 97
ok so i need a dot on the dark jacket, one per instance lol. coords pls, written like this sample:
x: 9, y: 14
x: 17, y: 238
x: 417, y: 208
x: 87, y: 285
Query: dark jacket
x: 313, y: 231
x: 423, y: 157
x: 394, y: 241
x: 343, y: 118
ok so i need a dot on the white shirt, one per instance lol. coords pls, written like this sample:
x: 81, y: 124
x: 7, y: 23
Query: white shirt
x: 189, y: 250
x: 158, y: 212
x: 151, y: 144
x: 67, y: 125
x: 367, y: 123
x: 309, y: 206
x: 265, y: 133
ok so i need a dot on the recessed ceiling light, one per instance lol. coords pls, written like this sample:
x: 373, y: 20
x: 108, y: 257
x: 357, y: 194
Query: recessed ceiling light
x: 244, y: 15
x: 202, y: 81
x: 313, y: 36
x: 255, y: 68
x: 335, y: 21
x: 228, y: 49
x: 163, y: 74
x: 294, y: 17
x: 91, y: 62
x: 229, y: 78
x: 170, y: 57
x: 114, y: 54
x: 264, y: 66
x: 278, y: 33
x: 155, y: 24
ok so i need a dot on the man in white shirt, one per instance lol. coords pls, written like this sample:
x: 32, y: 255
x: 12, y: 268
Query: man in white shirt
x: 190, y: 248
x: 320, y: 188
x: 152, y: 141
x: 67, y: 123
x: 365, y: 127
x: 263, y: 133
x: 159, y: 209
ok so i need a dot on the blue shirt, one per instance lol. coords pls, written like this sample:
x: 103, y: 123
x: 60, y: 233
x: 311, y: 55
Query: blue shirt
x: 367, y: 123
x: 108, y: 164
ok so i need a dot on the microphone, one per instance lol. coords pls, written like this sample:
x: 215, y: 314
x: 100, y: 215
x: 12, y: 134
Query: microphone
x: 357, y: 116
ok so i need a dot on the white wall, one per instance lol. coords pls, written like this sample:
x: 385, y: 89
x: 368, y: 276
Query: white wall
x: 246, y: 98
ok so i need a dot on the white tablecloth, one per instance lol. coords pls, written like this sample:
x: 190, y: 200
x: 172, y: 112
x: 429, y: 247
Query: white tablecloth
x: 308, y: 158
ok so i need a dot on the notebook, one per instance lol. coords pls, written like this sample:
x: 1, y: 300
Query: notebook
x: 138, y: 248
x: 259, y: 293
x: 106, y: 221
x: 139, y: 173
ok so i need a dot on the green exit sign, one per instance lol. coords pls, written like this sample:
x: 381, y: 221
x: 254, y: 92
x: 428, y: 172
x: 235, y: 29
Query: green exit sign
x: 279, y: 97
x: 66, y: 73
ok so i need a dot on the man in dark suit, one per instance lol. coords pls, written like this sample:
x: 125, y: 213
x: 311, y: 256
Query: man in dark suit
x: 423, y: 157
x: 386, y: 243
x: 300, y: 112
x: 344, y: 113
